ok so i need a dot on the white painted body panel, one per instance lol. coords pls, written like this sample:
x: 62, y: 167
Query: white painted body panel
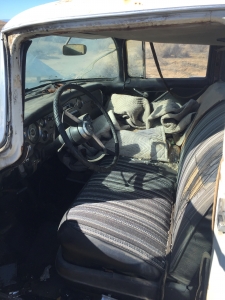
x: 80, y: 10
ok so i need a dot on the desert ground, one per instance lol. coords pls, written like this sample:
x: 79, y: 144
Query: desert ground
x: 2, y: 23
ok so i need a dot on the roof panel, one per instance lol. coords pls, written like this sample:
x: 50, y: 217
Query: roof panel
x: 85, y: 9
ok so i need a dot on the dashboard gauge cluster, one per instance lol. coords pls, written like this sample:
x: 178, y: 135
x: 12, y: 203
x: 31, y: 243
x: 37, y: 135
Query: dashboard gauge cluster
x: 37, y: 136
x: 41, y: 131
x: 46, y: 128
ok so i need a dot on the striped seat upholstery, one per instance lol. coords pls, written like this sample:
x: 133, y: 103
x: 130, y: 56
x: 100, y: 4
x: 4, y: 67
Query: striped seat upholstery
x: 120, y: 221
x: 124, y: 216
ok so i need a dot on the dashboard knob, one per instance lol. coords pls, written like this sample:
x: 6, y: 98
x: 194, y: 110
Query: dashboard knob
x: 50, y: 118
x: 44, y: 135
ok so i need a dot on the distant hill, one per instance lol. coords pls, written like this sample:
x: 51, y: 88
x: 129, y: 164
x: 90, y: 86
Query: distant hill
x: 2, y: 23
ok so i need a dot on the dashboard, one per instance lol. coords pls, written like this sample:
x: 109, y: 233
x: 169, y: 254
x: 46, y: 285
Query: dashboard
x: 39, y: 125
x: 41, y: 131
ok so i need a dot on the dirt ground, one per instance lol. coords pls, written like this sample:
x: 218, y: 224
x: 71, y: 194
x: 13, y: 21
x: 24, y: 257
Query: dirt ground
x: 193, y: 66
x: 2, y: 23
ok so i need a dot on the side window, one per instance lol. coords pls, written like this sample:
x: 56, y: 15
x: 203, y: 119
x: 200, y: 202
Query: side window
x: 176, y: 60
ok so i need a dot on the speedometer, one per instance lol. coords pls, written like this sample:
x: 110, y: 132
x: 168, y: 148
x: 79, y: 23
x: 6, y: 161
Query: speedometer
x: 33, y: 133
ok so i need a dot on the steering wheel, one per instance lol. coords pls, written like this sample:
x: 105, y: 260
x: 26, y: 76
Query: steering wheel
x: 82, y: 131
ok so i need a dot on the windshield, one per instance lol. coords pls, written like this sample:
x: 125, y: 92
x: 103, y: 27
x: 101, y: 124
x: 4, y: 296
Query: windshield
x: 46, y: 61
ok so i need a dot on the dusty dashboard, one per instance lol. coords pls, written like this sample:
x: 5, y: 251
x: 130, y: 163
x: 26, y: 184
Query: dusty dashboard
x: 39, y: 124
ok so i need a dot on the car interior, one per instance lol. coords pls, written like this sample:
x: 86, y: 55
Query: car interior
x: 113, y: 195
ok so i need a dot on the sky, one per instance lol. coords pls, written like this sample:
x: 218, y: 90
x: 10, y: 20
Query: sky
x: 10, y: 8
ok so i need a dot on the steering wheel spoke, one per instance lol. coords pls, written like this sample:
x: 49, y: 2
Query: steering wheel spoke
x: 70, y: 119
x: 104, y: 149
x: 98, y: 141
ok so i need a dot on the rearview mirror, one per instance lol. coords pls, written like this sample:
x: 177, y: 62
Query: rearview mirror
x: 74, y: 49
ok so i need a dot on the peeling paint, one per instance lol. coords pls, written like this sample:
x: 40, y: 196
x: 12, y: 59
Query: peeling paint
x: 15, y: 96
x: 10, y: 39
x: 11, y: 42
x: 17, y: 81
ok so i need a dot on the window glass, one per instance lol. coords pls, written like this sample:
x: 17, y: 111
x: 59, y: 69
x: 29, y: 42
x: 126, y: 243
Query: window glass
x: 45, y: 60
x: 177, y: 60
x: 135, y: 58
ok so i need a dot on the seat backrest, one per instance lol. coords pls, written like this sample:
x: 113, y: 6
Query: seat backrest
x: 199, y: 163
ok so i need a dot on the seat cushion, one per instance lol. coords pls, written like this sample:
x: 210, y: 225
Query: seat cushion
x: 120, y: 220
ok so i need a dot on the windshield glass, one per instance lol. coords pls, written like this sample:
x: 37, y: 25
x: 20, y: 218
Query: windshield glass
x: 46, y: 61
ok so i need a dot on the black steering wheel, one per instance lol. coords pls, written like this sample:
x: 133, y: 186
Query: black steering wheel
x: 82, y: 130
